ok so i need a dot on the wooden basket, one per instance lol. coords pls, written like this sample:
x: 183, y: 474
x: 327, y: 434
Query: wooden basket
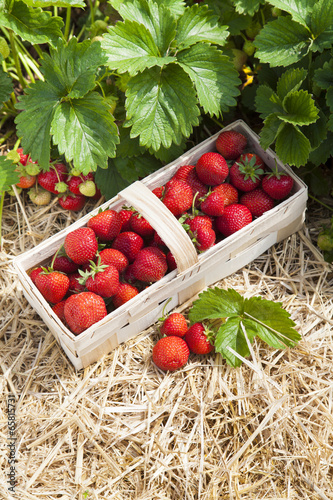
x: 194, y: 272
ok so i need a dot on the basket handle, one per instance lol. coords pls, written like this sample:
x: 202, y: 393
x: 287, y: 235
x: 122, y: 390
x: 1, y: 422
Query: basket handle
x: 164, y: 222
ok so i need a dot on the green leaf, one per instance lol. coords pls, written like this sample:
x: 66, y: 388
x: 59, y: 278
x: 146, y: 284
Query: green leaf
x: 300, y: 108
x: 85, y: 132
x: 157, y: 19
x: 274, y: 324
x: 176, y: 7
x: 8, y: 176
x: 231, y: 335
x: 323, y: 77
x: 71, y: 69
x: 270, y: 130
x: 300, y: 10
x: 129, y: 46
x: 198, y: 24
x: 213, y: 75
x: 282, y: 42
x: 55, y: 3
x: 249, y: 7
x: 6, y: 85
x: 316, y: 132
x: 321, y: 154
x: 291, y: 80
x: 322, y: 17
x: 167, y: 155
x: 109, y: 180
x: 128, y: 146
x: 292, y: 146
x: 267, y: 101
x: 216, y: 303
x: 34, y: 122
x: 32, y: 24
x: 161, y: 106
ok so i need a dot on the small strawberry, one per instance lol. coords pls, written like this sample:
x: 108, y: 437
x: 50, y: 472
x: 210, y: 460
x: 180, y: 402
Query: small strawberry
x: 230, y: 144
x: 58, y: 309
x: 177, y: 197
x: 234, y: 218
x: 74, y: 284
x: 34, y: 273
x: 257, y: 201
x: 150, y: 265
x: 171, y: 261
x: 124, y: 293
x: 277, y: 184
x: 111, y: 256
x: 170, y: 353
x: 247, y: 172
x: 157, y: 240
x: 188, y: 174
x: 159, y: 191
x: 23, y: 157
x: 39, y: 196
x: 204, y: 238
x: 81, y: 245
x: 212, y: 169
x: 213, y: 204
x: 141, y: 226
x: 88, y: 188
x: 175, y: 324
x: 229, y: 192
x: 75, y: 181
x: 26, y: 181
x: 106, y: 224
x: 199, y: 221
x: 125, y: 215
x: 197, y: 339
x: 129, y: 243
x: 48, y: 180
x: 52, y: 285
x: 84, y: 309
x: 64, y: 264
x: 74, y: 202
x: 101, y: 279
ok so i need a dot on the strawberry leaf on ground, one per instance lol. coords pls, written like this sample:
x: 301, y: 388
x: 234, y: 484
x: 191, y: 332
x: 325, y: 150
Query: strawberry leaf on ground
x: 258, y: 317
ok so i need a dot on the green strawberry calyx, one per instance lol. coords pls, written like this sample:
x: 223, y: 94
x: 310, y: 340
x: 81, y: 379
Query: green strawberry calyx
x: 94, y: 269
x: 275, y: 172
x: 249, y: 169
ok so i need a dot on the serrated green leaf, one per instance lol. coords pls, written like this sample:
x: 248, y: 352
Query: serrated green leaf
x: 55, y: 3
x: 34, y: 122
x: 291, y: 80
x: 109, y: 180
x: 321, y: 154
x: 216, y: 303
x: 213, y: 75
x: 157, y: 19
x: 267, y: 101
x: 198, y: 24
x: 270, y: 130
x: 6, y: 85
x: 231, y: 335
x: 129, y: 46
x: 167, y: 155
x: 85, y: 132
x: 249, y: 7
x: 282, y: 42
x: 128, y: 146
x: 8, y: 176
x: 161, y: 106
x: 322, y: 17
x: 32, y: 24
x: 300, y: 10
x: 71, y: 68
x: 323, y: 77
x: 316, y: 132
x: 176, y: 7
x: 292, y: 146
x: 300, y: 108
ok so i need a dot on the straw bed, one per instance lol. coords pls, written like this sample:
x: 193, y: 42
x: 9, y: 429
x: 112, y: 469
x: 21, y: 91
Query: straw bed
x: 122, y: 429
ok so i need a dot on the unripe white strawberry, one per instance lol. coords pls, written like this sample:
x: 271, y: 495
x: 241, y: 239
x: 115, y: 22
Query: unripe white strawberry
x: 40, y: 197
x: 88, y: 188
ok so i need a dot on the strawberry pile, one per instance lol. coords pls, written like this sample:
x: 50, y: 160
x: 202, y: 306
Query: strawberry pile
x: 118, y: 254
x: 71, y: 188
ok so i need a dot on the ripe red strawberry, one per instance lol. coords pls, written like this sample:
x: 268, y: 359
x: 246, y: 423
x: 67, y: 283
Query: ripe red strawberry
x: 26, y: 181
x: 106, y: 225
x: 197, y: 340
x: 81, y: 245
x: 83, y: 310
x: 157, y: 240
x: 177, y: 197
x: 188, y: 174
x: 229, y: 192
x: 34, y: 273
x: 257, y: 201
x: 247, y: 172
x: 140, y: 225
x: 125, y: 215
x: 75, y: 181
x: 129, y: 243
x: 230, y: 144
x: 74, y: 284
x: 23, y: 157
x: 204, y: 238
x: 150, y: 265
x: 64, y: 264
x: 128, y: 274
x: 48, y: 180
x: 170, y: 353
x: 124, y: 293
x: 171, y: 261
x: 234, y: 218
x: 111, y: 256
x: 213, y: 204
x: 58, y: 309
x: 199, y: 221
x: 277, y: 184
x: 175, y: 324
x: 52, y: 285
x: 101, y: 279
x: 74, y: 202
x: 212, y: 169
x: 159, y: 191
